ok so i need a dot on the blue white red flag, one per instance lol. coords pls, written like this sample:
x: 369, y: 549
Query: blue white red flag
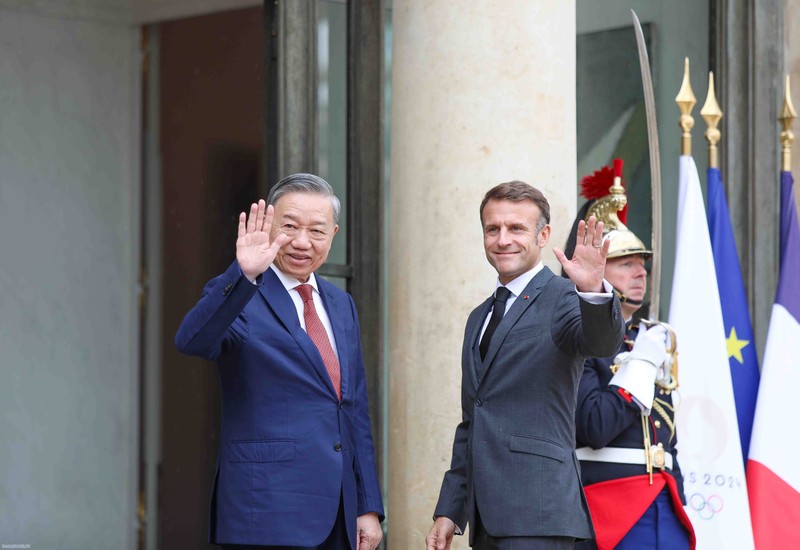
x: 773, y: 476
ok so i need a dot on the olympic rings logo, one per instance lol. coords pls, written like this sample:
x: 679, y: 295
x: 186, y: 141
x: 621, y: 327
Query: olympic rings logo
x: 706, y: 508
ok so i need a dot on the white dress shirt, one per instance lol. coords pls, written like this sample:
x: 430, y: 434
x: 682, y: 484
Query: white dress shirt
x: 290, y: 283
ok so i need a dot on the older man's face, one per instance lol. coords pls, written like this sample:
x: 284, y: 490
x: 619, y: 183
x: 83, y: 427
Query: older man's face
x: 307, y: 219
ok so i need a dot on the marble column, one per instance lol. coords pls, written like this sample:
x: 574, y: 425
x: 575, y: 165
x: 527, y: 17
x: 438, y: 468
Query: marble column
x: 482, y: 93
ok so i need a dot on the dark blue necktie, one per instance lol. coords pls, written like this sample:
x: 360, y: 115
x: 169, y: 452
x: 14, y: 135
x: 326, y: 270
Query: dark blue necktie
x: 498, y: 310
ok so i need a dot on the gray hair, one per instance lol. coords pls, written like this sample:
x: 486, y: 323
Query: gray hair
x: 305, y: 183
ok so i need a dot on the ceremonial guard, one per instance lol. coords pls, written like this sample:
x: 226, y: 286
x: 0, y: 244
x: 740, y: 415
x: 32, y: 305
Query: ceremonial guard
x: 625, y: 418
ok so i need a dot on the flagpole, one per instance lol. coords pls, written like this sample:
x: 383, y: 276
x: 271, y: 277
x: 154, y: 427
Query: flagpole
x: 788, y: 114
x: 711, y: 456
x: 712, y: 114
x: 686, y: 102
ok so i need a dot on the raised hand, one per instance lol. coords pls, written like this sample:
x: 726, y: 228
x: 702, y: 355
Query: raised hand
x: 254, y: 250
x: 588, y: 263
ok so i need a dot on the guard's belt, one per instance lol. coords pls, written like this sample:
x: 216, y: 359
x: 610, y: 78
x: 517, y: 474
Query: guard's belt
x: 618, y: 455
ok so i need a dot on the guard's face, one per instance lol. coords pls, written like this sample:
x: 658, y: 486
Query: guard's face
x: 628, y: 275
x: 307, y: 219
x: 510, y: 239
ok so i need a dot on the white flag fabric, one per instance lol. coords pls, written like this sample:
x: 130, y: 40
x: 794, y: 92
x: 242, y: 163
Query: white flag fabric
x: 710, y: 454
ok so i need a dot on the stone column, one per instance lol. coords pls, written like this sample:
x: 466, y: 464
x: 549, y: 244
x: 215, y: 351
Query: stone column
x: 483, y: 92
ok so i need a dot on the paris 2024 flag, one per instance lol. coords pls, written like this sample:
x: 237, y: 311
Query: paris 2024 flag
x: 773, y: 471
x: 709, y: 450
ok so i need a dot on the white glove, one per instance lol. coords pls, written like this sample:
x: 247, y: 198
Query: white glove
x: 638, y: 369
x: 651, y: 345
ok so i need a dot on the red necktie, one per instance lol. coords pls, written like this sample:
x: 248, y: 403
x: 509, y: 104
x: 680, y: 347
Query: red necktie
x: 320, y: 338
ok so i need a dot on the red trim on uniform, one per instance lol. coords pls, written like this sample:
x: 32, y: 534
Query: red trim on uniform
x: 654, y: 430
x: 617, y: 504
x: 626, y: 395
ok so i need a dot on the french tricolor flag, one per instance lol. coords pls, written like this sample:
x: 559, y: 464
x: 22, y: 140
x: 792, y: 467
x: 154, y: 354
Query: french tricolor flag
x: 773, y: 469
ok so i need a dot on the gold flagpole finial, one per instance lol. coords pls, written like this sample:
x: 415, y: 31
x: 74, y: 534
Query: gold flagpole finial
x: 712, y: 114
x: 788, y: 114
x: 686, y: 102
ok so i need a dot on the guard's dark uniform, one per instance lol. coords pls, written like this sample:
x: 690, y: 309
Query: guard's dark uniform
x: 607, y: 417
x: 629, y: 466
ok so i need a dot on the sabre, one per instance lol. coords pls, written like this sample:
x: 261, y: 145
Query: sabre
x: 655, y: 167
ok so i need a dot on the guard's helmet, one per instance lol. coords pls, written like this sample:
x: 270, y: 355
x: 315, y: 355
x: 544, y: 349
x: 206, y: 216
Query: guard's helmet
x: 609, y: 204
x: 609, y: 207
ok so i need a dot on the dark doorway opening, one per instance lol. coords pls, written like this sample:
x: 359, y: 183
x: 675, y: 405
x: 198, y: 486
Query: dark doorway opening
x: 211, y: 130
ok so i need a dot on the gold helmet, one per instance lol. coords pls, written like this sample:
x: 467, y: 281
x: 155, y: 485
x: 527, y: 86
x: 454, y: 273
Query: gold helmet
x: 625, y: 243
x: 608, y: 208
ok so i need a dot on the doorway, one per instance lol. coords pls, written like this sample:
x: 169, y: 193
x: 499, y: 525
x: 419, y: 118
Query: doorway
x: 210, y: 129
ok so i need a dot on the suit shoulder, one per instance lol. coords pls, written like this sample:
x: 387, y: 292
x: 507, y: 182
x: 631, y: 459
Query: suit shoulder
x: 339, y: 298
x: 476, y: 310
x: 561, y: 282
x: 330, y: 288
x: 560, y: 285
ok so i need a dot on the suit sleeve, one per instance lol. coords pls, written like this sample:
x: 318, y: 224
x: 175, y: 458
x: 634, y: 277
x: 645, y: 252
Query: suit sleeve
x: 369, y: 492
x: 217, y: 323
x: 452, y: 501
x: 590, y: 330
x: 602, y: 413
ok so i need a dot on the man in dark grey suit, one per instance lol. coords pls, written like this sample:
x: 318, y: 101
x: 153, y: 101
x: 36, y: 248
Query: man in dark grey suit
x: 514, y: 476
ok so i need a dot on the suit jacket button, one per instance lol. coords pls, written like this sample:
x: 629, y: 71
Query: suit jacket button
x: 479, y: 402
x: 227, y: 289
x: 337, y: 447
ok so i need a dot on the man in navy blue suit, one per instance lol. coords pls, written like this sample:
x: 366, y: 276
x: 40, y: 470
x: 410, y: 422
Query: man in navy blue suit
x: 296, y: 465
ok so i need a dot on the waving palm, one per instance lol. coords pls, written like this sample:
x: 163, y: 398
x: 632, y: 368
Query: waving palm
x: 588, y: 263
x: 254, y: 250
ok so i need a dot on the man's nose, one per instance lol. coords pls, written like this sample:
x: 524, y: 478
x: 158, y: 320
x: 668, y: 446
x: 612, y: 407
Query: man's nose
x: 301, y: 239
x: 504, y: 237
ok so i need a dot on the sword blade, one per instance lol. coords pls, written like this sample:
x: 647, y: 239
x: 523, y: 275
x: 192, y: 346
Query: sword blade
x: 655, y: 167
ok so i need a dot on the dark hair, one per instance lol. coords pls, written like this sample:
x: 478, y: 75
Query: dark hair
x: 518, y: 191
x: 305, y: 183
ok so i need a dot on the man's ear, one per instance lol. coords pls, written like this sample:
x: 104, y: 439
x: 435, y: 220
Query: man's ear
x: 544, y: 236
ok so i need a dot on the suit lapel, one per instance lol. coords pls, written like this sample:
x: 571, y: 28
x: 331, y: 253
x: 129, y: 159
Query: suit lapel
x: 279, y: 301
x: 282, y: 306
x: 336, y: 314
x: 521, y: 304
x: 472, y: 333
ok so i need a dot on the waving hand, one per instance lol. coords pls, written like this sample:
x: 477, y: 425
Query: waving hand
x: 254, y: 250
x: 588, y: 263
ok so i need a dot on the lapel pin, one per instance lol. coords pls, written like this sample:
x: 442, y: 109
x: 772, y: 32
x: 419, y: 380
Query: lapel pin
x: 525, y: 297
